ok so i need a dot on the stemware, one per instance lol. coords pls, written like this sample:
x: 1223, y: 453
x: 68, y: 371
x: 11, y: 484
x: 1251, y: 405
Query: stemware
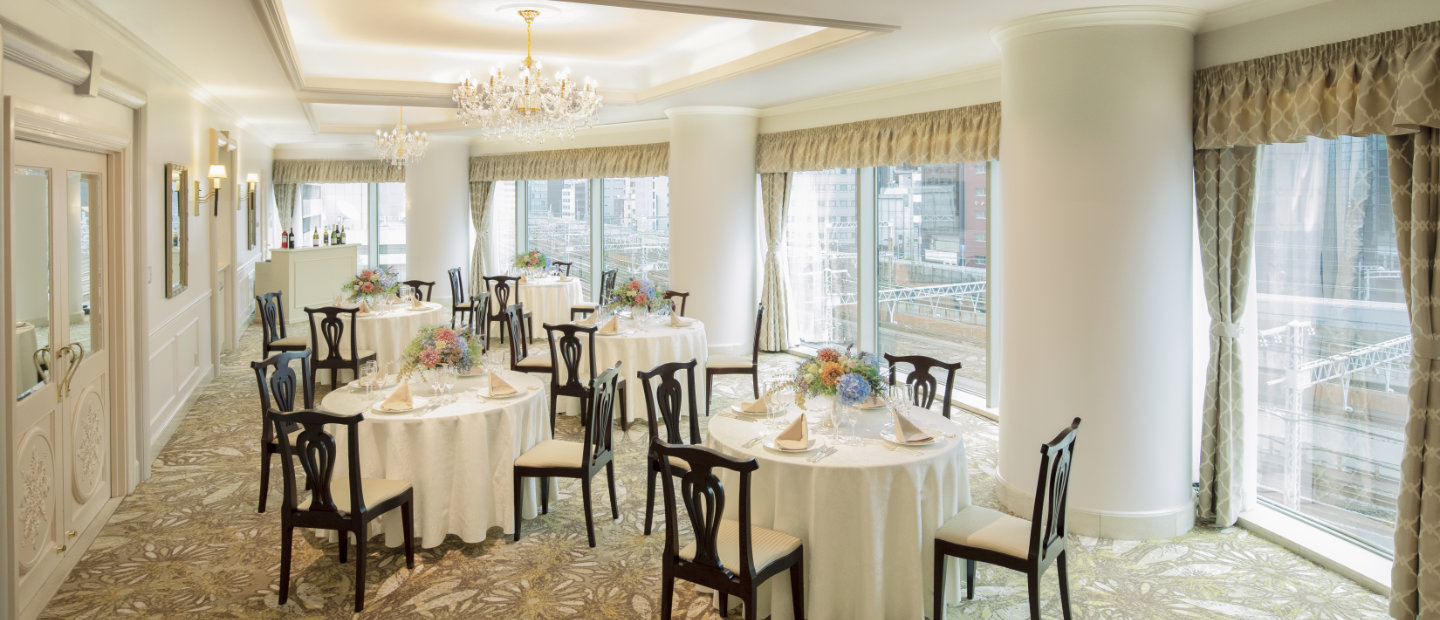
x: 369, y: 376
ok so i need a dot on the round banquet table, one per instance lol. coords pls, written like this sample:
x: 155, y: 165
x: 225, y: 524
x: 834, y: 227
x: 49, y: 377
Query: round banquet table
x: 388, y: 332
x: 640, y: 346
x: 867, y: 514
x: 549, y: 299
x: 459, y: 457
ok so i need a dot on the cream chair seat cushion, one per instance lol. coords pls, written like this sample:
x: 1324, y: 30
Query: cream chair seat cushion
x: 728, y: 361
x: 290, y: 341
x: 360, y: 354
x: 535, y: 361
x: 375, y: 490
x: 553, y: 453
x: 584, y: 306
x: 766, y: 546
x: 464, y: 305
x: 984, y: 528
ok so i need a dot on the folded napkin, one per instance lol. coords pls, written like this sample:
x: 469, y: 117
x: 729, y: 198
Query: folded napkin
x: 906, y: 431
x: 612, y: 326
x: 416, y: 303
x: 498, y: 386
x: 874, y: 402
x: 588, y: 321
x: 522, y: 280
x: 794, y: 437
x: 753, y: 406
x: 675, y: 321
x: 364, y: 307
x: 399, y: 400
x: 564, y: 278
x: 339, y: 300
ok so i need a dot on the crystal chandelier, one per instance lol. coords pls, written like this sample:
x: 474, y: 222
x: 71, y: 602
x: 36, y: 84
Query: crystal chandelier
x: 529, y: 108
x: 399, y: 145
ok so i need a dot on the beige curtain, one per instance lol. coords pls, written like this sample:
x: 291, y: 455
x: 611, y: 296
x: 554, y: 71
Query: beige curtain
x: 480, y: 219
x: 1414, y: 173
x: 1224, y: 201
x: 775, y: 197
x: 285, y: 204
x: 640, y: 160
x: 942, y: 137
x: 336, y: 171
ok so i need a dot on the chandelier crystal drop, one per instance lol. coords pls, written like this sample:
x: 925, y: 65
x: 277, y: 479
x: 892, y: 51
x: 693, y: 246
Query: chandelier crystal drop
x: 529, y: 107
x: 400, y: 145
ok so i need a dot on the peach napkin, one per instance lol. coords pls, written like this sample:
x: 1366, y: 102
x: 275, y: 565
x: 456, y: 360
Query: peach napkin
x: 399, y: 400
x: 612, y: 326
x: 753, y: 406
x: 364, y: 307
x: 874, y: 402
x: 416, y: 303
x: 676, y: 321
x: 498, y: 386
x: 906, y: 431
x: 588, y: 321
x: 522, y: 280
x: 794, y: 437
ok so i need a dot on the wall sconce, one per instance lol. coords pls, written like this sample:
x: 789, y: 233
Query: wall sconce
x: 252, y: 179
x: 217, y: 173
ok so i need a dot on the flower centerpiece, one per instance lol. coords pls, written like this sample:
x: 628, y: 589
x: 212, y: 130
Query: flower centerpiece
x: 373, y: 284
x: 532, y: 261
x: 637, y: 295
x: 441, y: 347
x: 847, y: 378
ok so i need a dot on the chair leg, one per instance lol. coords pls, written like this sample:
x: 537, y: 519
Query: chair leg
x: 1064, y: 585
x: 969, y: 579
x: 554, y: 404
x: 1032, y: 579
x: 359, y: 572
x: 610, y: 475
x: 797, y: 588
x: 667, y: 596
x: 518, y: 491
x: 589, y: 519
x: 286, y: 533
x: 709, y: 389
x: 724, y: 604
x: 624, y: 410
x: 755, y: 381
x: 544, y: 496
x: 750, y: 612
x: 407, y: 523
x: 649, y: 497
x: 264, y: 472
x: 344, y: 546
x: 937, y: 605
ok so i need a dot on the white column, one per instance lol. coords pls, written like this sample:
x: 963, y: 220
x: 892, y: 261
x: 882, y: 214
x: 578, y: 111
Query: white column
x: 1096, y: 255
x: 713, y: 220
x: 437, y: 215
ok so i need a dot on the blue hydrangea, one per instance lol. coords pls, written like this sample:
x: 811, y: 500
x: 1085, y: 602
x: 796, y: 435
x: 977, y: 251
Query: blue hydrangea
x: 852, y: 388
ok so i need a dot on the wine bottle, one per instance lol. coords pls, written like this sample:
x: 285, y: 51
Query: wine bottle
x: 284, y: 239
x: 314, y: 237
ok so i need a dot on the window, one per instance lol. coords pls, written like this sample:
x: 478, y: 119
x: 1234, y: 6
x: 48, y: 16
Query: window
x: 1334, y: 337
x: 557, y: 222
x: 502, y: 226
x: 931, y: 265
x: 821, y: 243
x: 373, y: 215
x: 636, y: 213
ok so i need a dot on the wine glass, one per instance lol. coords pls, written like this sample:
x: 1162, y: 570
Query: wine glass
x: 369, y: 377
x: 779, y: 395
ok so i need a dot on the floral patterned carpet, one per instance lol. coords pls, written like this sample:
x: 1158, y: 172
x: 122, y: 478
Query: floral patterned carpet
x: 188, y: 543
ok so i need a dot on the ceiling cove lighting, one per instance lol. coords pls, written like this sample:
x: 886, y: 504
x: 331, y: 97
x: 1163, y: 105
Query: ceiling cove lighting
x: 529, y: 107
x: 400, y: 146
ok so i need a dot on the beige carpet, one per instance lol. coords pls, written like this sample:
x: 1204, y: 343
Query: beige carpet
x: 188, y: 543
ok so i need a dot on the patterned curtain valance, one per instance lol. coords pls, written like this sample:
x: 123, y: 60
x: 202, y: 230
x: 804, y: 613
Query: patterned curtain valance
x: 640, y: 160
x: 1387, y: 83
x: 336, y: 171
x: 970, y: 133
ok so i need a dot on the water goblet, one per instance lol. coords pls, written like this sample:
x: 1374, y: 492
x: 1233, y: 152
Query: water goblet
x: 369, y: 376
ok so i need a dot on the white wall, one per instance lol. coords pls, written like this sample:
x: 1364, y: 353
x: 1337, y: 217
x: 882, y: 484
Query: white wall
x: 437, y: 215
x: 1235, y: 35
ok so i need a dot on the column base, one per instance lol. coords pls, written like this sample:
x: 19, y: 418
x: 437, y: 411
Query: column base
x: 1151, y: 525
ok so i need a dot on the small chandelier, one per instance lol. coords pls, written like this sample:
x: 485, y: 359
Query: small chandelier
x: 400, y: 145
x: 529, y: 108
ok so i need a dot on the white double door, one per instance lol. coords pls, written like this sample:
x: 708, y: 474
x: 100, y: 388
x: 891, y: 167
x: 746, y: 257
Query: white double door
x: 60, y: 430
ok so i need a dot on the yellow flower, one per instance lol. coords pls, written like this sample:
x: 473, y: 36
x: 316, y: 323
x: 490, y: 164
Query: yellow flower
x: 830, y: 373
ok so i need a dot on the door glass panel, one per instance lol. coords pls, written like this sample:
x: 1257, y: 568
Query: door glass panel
x: 30, y: 256
x: 83, y: 195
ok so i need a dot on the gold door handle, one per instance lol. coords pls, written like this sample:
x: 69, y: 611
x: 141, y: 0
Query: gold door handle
x: 76, y: 353
x: 60, y: 548
x: 71, y: 533
x: 45, y: 358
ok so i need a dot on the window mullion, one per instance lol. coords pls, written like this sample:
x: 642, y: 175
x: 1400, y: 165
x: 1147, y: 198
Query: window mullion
x: 372, y: 215
x: 597, y: 233
x: 522, y: 209
x: 867, y: 249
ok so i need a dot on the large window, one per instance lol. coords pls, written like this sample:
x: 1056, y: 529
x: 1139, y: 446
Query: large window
x: 557, y: 222
x: 931, y: 265
x: 1334, y: 337
x: 502, y: 226
x: 373, y: 215
x: 821, y: 238
x: 637, y: 227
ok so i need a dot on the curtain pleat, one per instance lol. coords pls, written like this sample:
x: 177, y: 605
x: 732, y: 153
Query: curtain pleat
x: 640, y: 160
x: 480, y: 219
x: 285, y: 204
x: 1224, y: 199
x: 775, y: 196
x: 970, y: 133
x: 336, y: 171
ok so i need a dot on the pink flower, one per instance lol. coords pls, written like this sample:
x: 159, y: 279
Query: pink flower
x: 634, y: 285
x: 827, y: 355
x: 446, y: 334
x: 641, y: 298
x: 429, y: 358
x: 367, y: 288
x: 366, y: 274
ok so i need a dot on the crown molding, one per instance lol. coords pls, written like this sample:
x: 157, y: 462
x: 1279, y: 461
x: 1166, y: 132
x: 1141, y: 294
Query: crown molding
x: 884, y: 92
x: 28, y: 49
x: 1252, y: 11
x: 277, y: 33
x: 759, y: 16
x: 1163, y: 16
x: 789, y: 51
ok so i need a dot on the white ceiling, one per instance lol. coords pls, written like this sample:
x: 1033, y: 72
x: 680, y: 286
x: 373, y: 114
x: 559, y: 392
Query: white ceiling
x: 348, y: 66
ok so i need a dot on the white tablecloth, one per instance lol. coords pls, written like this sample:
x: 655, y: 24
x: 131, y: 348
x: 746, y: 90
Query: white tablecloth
x: 388, y: 333
x: 642, y: 346
x: 459, y: 457
x: 549, y: 300
x: 866, y: 515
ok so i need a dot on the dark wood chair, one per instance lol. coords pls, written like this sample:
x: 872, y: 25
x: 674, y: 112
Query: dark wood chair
x: 560, y: 266
x: 480, y: 323
x: 459, y: 303
x: 602, y: 297
x: 520, y: 358
x: 278, y: 388
x: 730, y: 557
x: 985, y: 535
x: 421, y: 285
x: 671, y: 296
x: 662, y: 404
x: 272, y: 326
x: 924, y: 384
x: 345, y: 505
x: 554, y: 458
x: 341, y: 353
x: 502, y: 289
x: 735, y: 365
x: 567, y: 354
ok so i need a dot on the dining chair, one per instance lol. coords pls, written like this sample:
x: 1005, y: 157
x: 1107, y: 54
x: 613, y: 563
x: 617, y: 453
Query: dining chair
x: 985, y: 535
x: 602, y: 297
x: 278, y: 389
x: 684, y: 298
x: 341, y: 353
x: 557, y: 266
x: 501, y: 289
x: 567, y: 354
x: 272, y: 326
x: 346, y: 505
x: 925, y: 387
x: 729, y: 556
x: 459, y: 304
x: 520, y: 358
x: 555, y: 458
x: 418, y: 285
x: 480, y: 323
x: 736, y: 365
x: 662, y: 404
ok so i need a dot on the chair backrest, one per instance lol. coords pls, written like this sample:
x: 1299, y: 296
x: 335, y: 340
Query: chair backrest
x: 925, y: 387
x: 315, y: 449
x: 332, y: 328
x: 683, y: 297
x: 272, y: 316
x: 1052, y: 494
x: 602, y: 412
x: 662, y: 403
x: 418, y: 285
x: 279, y: 385
x: 558, y: 266
x: 568, y: 354
x: 480, y: 302
x: 607, y: 285
x: 704, y: 499
x: 457, y: 286
x: 518, y: 347
x: 499, y: 288
x: 755, y: 347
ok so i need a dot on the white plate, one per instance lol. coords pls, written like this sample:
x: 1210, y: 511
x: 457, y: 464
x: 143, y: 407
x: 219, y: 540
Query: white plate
x: 475, y: 371
x: 484, y: 392
x: 815, y: 443
x: 416, y: 402
x: 623, y: 332
x: 736, y: 409
x: 887, y: 433
x: 391, y: 380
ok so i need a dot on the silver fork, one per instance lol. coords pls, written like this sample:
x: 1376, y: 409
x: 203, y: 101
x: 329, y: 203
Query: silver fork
x: 827, y: 451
